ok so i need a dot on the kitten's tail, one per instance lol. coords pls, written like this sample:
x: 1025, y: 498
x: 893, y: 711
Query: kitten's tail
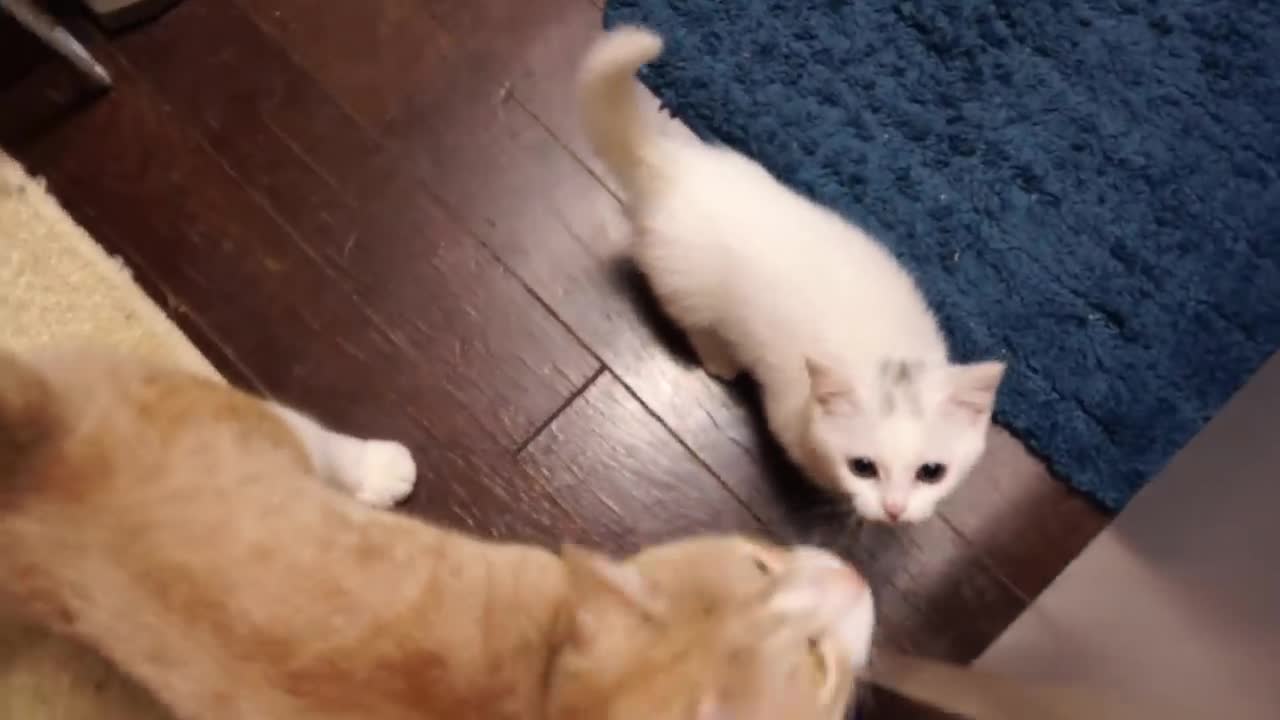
x: 27, y: 416
x: 610, y: 112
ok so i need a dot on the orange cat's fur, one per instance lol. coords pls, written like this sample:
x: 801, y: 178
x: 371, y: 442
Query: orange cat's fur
x: 179, y: 527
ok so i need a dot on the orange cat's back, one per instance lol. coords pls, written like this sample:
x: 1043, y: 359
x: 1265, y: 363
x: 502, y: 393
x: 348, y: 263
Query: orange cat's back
x: 132, y: 506
x: 80, y: 422
x: 177, y: 525
x: 28, y: 418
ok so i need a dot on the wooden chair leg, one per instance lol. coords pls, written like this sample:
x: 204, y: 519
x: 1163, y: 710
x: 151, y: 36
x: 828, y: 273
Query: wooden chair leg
x: 47, y: 29
x: 116, y: 14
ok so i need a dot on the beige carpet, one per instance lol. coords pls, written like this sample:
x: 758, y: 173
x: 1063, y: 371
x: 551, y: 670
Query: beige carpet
x: 57, y: 285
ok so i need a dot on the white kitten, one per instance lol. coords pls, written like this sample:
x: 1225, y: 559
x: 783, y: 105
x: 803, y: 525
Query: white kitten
x: 854, y: 370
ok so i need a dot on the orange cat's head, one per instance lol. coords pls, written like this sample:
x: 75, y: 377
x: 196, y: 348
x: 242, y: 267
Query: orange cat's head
x: 715, y: 628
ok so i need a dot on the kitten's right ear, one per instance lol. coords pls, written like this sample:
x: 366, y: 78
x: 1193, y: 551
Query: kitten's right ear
x: 832, y: 393
x: 974, y: 387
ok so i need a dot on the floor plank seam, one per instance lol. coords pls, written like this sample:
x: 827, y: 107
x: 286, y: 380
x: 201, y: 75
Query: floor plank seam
x: 306, y: 158
x: 551, y: 418
x: 338, y: 275
x: 985, y: 560
x: 301, y: 66
x: 423, y: 183
x: 630, y: 390
x: 519, y: 279
x: 515, y: 97
x: 690, y: 449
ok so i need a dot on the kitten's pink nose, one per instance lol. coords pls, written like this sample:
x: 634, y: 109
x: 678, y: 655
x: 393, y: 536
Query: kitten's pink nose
x: 894, y: 509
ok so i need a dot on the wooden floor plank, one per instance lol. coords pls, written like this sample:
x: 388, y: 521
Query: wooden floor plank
x: 544, y: 83
x: 409, y: 266
x: 460, y: 108
x: 1027, y: 523
x: 606, y: 445
x: 363, y: 51
x: 157, y: 193
x: 179, y: 60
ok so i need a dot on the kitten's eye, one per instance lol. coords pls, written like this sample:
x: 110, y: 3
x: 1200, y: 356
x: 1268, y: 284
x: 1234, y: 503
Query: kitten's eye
x: 931, y: 472
x: 863, y: 468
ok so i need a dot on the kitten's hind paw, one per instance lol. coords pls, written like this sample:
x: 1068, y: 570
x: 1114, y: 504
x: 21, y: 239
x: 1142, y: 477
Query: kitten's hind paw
x: 384, y: 474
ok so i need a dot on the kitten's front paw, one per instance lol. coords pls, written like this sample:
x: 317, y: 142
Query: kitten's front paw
x: 384, y: 474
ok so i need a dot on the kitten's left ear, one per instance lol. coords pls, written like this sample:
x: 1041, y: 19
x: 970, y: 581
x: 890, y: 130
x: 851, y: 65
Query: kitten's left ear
x: 599, y: 585
x: 832, y: 393
x: 974, y: 386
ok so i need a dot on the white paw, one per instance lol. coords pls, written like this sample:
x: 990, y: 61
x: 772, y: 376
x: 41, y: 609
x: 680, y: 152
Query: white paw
x: 383, y: 474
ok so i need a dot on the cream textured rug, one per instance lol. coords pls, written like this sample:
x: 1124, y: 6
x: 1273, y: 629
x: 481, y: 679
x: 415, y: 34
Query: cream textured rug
x: 58, y: 285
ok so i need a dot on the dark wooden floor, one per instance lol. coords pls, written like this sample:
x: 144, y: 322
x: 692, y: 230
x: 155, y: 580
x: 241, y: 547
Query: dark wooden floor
x: 383, y: 212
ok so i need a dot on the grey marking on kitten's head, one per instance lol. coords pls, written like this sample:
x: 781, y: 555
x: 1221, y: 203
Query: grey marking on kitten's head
x: 899, y: 387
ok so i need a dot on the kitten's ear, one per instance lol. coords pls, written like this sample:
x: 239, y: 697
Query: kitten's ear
x: 599, y: 584
x: 829, y: 390
x: 974, y: 386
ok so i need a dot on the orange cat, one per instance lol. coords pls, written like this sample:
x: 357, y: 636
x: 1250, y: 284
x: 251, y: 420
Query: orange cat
x: 177, y: 526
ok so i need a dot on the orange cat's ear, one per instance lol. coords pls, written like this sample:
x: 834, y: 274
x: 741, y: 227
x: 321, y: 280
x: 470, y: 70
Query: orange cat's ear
x: 599, y: 584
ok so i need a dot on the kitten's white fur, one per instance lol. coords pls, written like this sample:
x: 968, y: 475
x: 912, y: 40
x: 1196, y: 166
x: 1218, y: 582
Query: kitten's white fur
x: 379, y: 473
x: 849, y: 356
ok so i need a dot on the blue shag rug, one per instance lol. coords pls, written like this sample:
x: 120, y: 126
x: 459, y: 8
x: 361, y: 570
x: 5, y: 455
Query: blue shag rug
x: 1087, y: 188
